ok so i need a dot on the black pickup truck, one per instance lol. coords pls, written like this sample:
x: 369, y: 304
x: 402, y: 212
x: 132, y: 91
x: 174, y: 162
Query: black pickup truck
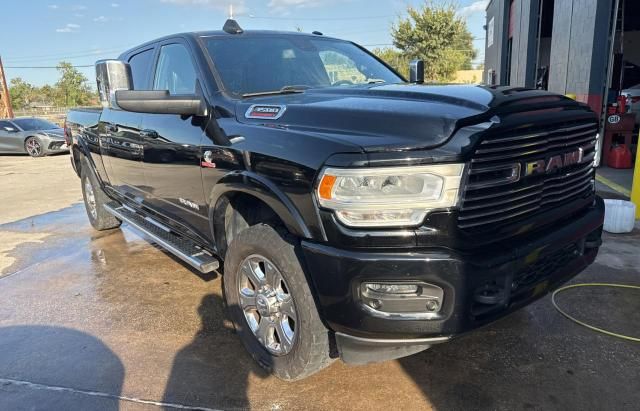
x: 358, y: 215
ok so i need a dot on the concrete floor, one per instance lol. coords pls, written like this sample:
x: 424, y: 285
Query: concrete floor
x: 107, y: 321
x: 623, y: 178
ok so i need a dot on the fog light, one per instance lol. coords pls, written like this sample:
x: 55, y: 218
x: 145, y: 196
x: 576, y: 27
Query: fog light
x: 393, y: 288
x: 417, y: 299
x: 432, y: 305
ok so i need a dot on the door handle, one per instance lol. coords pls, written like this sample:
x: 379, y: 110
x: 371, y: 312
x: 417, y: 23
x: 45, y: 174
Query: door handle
x: 149, y: 134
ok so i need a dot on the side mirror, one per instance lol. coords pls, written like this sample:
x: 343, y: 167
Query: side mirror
x: 416, y: 71
x: 112, y: 75
x: 10, y: 130
x: 160, y: 102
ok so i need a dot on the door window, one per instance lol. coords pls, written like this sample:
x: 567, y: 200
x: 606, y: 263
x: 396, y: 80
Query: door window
x: 175, y: 72
x: 141, y: 68
x: 6, y: 126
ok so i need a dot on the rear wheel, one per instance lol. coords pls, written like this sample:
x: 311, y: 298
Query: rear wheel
x: 33, y: 147
x: 94, y: 201
x: 271, y: 305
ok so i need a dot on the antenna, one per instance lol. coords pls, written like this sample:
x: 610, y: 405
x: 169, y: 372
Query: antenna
x: 231, y: 26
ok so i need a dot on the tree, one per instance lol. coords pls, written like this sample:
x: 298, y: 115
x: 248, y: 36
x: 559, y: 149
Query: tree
x: 22, y: 93
x: 73, y: 87
x: 435, y: 34
x: 395, y: 59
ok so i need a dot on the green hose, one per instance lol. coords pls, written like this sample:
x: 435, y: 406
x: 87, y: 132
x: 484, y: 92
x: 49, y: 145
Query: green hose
x: 575, y: 320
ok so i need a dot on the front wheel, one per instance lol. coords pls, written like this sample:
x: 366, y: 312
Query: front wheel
x: 271, y: 305
x: 33, y: 147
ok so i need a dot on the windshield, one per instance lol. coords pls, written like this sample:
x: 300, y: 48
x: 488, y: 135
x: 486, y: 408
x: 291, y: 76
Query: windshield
x: 270, y: 63
x: 28, y: 124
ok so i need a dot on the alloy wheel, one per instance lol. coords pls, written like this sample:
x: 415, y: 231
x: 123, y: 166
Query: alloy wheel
x: 91, y: 198
x: 267, y: 305
x: 33, y: 147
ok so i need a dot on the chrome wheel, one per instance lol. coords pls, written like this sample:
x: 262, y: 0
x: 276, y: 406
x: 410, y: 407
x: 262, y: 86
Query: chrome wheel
x: 90, y: 198
x: 33, y: 147
x: 267, y: 304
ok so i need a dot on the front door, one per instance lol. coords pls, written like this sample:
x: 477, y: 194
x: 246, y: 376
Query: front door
x: 172, y: 145
x: 121, y: 144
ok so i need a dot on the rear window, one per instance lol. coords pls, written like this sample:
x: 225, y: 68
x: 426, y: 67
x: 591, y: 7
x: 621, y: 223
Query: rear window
x: 141, y: 68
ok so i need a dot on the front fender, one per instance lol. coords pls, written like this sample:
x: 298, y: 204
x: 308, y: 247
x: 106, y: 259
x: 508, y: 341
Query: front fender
x: 260, y: 187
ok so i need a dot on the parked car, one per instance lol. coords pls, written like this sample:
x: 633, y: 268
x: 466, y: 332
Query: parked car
x: 633, y: 100
x: 34, y: 136
x: 362, y: 217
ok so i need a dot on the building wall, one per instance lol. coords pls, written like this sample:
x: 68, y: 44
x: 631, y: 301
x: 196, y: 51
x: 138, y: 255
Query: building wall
x: 496, y: 45
x: 632, y: 47
x: 525, y: 28
x: 578, y: 55
x: 579, y: 49
x: 468, y: 77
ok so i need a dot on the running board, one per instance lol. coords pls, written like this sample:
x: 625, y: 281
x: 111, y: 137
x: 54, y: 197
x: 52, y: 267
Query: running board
x: 183, y: 248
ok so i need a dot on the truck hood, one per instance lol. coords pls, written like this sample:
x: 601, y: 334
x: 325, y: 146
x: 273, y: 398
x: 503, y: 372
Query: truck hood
x: 378, y: 117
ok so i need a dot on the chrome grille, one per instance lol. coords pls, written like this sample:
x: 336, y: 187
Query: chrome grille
x: 496, y: 193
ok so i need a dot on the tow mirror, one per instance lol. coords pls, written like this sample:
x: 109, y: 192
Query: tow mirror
x: 416, y: 71
x: 112, y: 75
x: 160, y: 102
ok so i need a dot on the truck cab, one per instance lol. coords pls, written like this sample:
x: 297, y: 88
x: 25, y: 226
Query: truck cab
x: 353, y: 214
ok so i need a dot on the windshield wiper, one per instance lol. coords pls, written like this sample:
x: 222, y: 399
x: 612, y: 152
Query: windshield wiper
x: 283, y: 90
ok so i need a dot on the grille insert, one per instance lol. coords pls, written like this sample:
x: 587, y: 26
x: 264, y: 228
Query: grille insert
x: 498, y: 193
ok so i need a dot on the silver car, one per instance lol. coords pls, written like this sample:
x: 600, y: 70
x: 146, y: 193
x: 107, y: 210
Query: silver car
x: 34, y: 136
x: 633, y: 100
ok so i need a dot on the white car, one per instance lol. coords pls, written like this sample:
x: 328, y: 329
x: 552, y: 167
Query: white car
x: 633, y: 100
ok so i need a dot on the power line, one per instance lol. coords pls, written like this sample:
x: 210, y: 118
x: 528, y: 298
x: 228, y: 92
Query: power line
x: 318, y: 18
x: 79, y: 53
x: 48, y: 67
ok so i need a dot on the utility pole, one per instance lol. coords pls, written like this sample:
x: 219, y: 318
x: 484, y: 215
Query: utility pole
x: 6, y: 111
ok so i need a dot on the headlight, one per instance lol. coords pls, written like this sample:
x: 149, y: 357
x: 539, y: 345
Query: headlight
x: 389, y: 196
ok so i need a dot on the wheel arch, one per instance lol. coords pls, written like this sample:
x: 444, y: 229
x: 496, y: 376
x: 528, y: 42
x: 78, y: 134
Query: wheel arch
x: 254, y: 199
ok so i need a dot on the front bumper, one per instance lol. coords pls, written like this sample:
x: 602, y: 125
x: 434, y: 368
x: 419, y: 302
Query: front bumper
x: 57, y: 147
x: 528, y: 269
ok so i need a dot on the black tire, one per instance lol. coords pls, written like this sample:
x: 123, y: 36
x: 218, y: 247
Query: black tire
x: 310, y: 351
x: 99, y: 218
x: 34, y: 147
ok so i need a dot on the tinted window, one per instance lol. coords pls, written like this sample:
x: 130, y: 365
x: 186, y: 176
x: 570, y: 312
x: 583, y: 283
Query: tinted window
x: 175, y: 72
x: 29, y: 124
x: 268, y: 63
x: 140, y: 68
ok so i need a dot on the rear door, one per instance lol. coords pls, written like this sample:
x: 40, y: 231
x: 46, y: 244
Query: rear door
x: 121, y: 143
x: 10, y: 138
x: 172, y: 143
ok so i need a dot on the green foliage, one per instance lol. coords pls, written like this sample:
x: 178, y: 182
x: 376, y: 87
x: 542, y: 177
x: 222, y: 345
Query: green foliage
x: 395, y: 59
x: 22, y: 93
x: 72, y: 89
x: 435, y: 34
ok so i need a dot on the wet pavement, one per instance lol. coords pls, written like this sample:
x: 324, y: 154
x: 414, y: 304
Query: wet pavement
x: 108, y: 321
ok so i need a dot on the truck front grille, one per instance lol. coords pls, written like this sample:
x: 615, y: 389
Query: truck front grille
x: 499, y: 191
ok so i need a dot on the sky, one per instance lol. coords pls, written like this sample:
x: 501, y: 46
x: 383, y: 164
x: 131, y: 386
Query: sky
x: 41, y: 33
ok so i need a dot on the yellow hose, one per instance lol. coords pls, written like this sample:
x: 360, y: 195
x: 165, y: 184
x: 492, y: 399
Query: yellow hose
x: 575, y: 320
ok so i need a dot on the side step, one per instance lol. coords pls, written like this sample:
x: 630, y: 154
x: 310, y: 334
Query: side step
x: 183, y: 248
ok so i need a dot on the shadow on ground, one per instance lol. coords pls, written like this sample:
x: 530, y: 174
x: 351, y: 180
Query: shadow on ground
x: 109, y: 312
